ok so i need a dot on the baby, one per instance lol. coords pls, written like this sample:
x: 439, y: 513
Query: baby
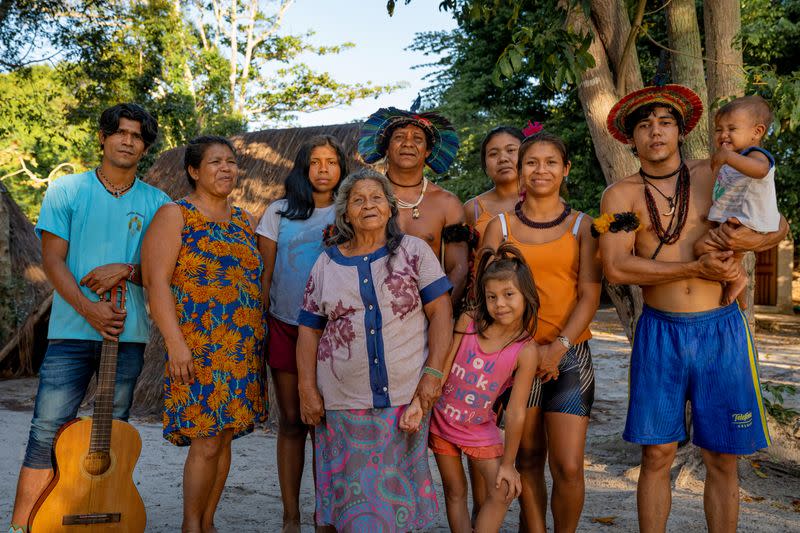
x: 744, y: 192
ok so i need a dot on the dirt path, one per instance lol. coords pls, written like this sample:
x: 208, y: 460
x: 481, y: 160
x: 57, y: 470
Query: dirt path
x: 251, y: 501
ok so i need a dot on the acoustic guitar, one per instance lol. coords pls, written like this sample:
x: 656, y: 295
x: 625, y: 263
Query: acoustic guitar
x: 93, y: 490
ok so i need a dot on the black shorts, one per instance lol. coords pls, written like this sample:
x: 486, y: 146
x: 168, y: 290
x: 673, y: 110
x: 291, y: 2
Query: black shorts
x: 573, y: 392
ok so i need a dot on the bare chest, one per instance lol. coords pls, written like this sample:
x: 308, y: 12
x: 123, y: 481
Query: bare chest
x: 426, y: 221
x: 667, y: 215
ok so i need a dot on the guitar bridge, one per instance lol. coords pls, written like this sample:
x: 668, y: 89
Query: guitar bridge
x: 93, y: 518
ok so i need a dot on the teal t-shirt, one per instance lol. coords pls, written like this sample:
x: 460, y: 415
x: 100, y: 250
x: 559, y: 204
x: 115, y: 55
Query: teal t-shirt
x: 100, y: 229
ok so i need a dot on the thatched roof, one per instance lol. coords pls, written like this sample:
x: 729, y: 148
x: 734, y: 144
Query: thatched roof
x: 26, y: 296
x: 265, y: 159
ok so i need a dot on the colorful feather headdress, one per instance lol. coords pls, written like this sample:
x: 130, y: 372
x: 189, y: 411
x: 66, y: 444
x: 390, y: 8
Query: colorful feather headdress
x: 441, y: 135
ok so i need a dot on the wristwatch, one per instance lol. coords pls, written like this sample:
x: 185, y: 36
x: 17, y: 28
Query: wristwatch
x: 564, y: 341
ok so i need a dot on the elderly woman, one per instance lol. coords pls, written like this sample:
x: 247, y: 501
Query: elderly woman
x: 374, y: 331
x: 202, y: 268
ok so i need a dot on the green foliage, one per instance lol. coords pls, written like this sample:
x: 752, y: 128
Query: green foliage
x: 774, y: 405
x: 36, y: 139
x: 523, y: 47
x: 41, y: 21
x: 770, y: 30
x: 463, y: 89
x: 196, y: 70
x: 540, y: 40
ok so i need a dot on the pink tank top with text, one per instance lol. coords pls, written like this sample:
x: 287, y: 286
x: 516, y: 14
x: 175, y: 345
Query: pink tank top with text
x: 463, y: 414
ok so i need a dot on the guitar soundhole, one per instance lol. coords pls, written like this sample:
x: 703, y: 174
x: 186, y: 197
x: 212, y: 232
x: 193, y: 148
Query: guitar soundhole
x: 96, y: 463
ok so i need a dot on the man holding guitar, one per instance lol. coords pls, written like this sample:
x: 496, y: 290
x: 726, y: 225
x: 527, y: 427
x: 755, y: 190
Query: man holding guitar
x: 91, y: 226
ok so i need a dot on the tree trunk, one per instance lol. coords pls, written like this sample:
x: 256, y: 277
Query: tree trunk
x: 726, y: 77
x: 726, y: 80
x: 597, y: 94
x: 611, y: 23
x: 628, y: 301
x: 687, y: 67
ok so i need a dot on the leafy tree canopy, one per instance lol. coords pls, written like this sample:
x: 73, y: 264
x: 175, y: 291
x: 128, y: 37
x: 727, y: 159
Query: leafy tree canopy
x: 510, y: 61
x: 211, y: 66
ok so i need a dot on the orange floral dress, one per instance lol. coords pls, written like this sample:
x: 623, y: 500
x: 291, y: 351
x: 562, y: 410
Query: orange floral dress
x: 217, y: 289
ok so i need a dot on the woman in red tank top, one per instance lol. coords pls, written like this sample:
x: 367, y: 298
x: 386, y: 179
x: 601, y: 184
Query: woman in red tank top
x: 558, y: 247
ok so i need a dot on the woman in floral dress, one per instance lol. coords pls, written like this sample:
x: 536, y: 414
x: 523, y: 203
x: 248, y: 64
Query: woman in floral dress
x: 202, y: 269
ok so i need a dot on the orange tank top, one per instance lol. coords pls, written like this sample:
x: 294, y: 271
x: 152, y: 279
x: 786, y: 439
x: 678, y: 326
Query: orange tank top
x: 482, y: 217
x: 555, y: 271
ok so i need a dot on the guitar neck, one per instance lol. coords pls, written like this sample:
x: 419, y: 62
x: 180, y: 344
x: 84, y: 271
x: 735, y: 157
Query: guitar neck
x: 104, y: 398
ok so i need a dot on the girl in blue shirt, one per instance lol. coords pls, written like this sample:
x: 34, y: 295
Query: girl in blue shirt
x: 290, y: 238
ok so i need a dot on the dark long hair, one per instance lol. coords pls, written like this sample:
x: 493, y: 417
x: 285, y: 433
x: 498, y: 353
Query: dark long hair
x: 299, y: 193
x: 506, y: 263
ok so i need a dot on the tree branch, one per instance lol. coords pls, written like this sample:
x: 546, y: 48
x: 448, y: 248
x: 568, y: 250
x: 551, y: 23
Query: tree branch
x: 679, y: 52
x: 636, y: 26
x: 253, y: 42
x: 611, y: 22
x: 36, y: 180
x: 200, y: 26
x: 233, y: 35
x: 248, y: 54
x: 218, y: 18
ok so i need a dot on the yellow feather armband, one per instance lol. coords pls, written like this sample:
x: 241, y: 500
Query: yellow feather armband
x: 616, y: 222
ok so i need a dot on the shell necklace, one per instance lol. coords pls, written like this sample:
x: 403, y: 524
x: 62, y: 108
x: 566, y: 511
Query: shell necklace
x: 415, y: 205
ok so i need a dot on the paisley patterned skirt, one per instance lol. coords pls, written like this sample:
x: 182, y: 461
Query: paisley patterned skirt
x: 372, y: 477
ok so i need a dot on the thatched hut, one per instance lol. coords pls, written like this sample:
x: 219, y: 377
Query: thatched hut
x: 25, y: 294
x: 265, y: 159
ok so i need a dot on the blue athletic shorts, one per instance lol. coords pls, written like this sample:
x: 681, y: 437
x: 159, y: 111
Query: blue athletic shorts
x: 707, y: 358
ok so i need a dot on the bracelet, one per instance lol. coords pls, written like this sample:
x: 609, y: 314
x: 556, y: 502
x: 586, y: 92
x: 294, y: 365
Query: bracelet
x: 131, y: 270
x: 433, y: 372
x: 564, y: 341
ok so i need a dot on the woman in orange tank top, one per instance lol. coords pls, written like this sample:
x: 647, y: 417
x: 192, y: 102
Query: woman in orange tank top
x: 558, y: 247
x: 499, y: 162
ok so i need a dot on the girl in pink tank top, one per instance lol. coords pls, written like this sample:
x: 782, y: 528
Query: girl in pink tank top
x: 491, y: 344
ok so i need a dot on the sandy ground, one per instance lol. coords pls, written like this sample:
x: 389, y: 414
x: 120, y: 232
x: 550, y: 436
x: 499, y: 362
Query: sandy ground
x: 770, y: 481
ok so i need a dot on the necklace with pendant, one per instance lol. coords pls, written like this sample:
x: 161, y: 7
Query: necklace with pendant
x: 112, y: 189
x: 677, y: 213
x: 401, y: 204
x: 670, y: 199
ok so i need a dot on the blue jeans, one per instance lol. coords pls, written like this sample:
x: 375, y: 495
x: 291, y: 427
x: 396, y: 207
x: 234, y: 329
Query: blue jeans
x: 67, y: 368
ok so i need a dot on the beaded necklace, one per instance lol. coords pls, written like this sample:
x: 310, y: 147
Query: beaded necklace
x: 112, y: 189
x: 541, y: 225
x: 670, y: 199
x: 670, y: 234
x: 401, y: 204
